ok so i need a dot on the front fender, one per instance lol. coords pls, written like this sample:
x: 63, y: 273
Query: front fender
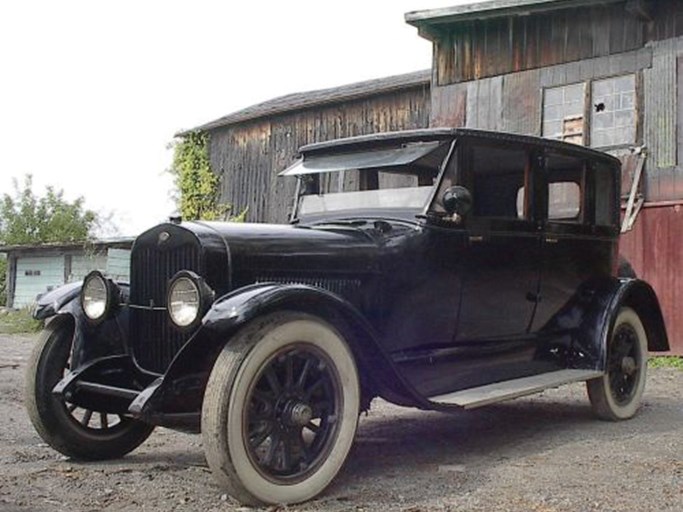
x: 89, y: 341
x: 182, y: 387
x: 54, y: 301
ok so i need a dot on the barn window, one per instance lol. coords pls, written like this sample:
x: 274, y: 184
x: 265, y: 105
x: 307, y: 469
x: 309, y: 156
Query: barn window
x: 563, y: 117
x: 613, y: 112
x: 609, y: 104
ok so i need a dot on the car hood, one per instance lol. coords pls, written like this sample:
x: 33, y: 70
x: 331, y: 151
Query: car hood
x: 257, y: 251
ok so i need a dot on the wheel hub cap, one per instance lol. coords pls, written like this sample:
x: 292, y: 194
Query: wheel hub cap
x: 628, y: 365
x: 298, y: 414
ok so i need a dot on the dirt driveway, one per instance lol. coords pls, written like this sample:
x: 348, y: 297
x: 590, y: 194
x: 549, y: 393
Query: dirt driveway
x: 539, y: 454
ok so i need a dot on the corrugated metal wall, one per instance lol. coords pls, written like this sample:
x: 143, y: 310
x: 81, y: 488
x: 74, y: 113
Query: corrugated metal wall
x: 251, y: 154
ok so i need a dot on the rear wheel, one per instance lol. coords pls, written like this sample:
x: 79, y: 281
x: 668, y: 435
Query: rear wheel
x: 617, y: 394
x: 74, y: 431
x: 280, y: 409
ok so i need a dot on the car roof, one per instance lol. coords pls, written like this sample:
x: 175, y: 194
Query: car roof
x: 435, y: 134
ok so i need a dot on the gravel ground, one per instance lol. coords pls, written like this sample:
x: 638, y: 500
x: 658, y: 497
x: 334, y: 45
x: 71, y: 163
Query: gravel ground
x: 540, y: 454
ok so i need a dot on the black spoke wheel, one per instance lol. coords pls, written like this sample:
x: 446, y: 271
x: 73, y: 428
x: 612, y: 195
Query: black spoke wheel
x: 74, y: 431
x: 617, y: 394
x: 280, y: 410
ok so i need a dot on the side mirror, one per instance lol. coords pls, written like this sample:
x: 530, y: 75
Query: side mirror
x: 457, y: 200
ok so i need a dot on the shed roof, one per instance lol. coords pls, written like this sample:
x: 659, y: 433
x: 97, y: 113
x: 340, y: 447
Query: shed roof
x: 310, y: 99
x: 118, y: 242
x: 492, y: 9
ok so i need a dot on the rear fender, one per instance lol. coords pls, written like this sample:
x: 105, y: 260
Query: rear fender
x: 182, y: 387
x: 590, y: 315
x: 640, y: 296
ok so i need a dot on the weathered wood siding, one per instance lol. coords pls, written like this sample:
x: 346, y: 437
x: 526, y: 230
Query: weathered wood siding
x: 513, y: 103
x: 496, y: 46
x: 249, y: 155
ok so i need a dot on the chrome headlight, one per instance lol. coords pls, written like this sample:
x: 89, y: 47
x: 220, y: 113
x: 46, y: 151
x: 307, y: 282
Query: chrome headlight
x: 188, y: 298
x: 98, y: 296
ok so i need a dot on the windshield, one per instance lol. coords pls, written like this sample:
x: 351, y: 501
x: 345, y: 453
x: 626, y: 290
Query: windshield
x: 396, y: 178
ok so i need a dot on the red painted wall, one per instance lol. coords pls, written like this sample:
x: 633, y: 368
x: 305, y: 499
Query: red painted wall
x: 655, y: 249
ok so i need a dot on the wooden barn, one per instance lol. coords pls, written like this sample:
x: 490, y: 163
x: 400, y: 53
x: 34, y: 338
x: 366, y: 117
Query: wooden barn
x: 249, y: 147
x: 604, y: 73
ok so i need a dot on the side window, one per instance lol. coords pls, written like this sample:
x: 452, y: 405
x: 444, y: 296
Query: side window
x: 498, y: 177
x: 565, y: 177
x: 564, y: 200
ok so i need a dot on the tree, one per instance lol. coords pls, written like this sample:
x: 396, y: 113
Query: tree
x: 197, y: 185
x: 29, y: 219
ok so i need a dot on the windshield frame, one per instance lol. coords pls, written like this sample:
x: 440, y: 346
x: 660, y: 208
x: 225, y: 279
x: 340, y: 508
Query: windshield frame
x: 382, y: 212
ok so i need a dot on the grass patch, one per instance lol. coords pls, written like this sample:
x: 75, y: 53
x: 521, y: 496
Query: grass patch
x: 666, y: 362
x: 18, y: 322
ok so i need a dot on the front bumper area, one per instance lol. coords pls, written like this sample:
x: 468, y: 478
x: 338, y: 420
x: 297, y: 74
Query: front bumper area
x: 116, y: 385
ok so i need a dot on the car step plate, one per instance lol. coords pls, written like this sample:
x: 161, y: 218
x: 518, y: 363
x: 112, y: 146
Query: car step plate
x: 506, y: 390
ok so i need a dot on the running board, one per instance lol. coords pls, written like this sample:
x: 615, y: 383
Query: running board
x: 506, y: 390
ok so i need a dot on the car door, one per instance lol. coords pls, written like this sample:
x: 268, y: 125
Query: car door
x: 501, y: 267
x: 579, y: 243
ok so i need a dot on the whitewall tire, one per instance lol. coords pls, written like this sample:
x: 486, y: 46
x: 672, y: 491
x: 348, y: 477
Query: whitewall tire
x: 281, y: 409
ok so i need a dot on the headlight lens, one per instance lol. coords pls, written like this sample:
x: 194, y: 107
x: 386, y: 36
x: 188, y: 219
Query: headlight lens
x: 184, y: 301
x: 95, y: 296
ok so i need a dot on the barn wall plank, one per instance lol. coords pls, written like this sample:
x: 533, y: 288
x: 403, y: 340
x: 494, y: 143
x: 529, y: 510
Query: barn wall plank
x: 249, y: 155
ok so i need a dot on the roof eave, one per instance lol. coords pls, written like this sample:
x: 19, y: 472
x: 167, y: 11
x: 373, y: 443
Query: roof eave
x: 426, y: 20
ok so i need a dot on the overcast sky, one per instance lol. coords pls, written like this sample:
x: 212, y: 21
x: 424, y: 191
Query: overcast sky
x: 91, y: 92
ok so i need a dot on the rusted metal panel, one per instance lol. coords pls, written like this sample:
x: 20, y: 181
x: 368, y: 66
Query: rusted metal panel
x: 653, y: 249
x: 249, y: 154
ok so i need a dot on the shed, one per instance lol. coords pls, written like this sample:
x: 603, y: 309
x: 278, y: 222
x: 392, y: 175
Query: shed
x: 249, y: 147
x: 603, y: 73
x: 36, y: 269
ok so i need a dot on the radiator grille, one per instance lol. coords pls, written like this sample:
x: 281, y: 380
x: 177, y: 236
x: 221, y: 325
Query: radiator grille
x: 340, y: 286
x: 154, y: 340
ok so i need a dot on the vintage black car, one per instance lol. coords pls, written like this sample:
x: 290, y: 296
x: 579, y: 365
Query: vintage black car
x: 441, y: 269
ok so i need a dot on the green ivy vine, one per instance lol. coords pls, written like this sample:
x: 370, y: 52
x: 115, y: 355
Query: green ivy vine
x: 198, y: 186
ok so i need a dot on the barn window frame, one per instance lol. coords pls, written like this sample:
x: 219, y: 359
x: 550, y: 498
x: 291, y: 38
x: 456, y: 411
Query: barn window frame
x: 579, y: 127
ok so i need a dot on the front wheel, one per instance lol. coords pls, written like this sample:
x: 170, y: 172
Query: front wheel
x: 69, y: 429
x: 280, y: 409
x: 617, y: 394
